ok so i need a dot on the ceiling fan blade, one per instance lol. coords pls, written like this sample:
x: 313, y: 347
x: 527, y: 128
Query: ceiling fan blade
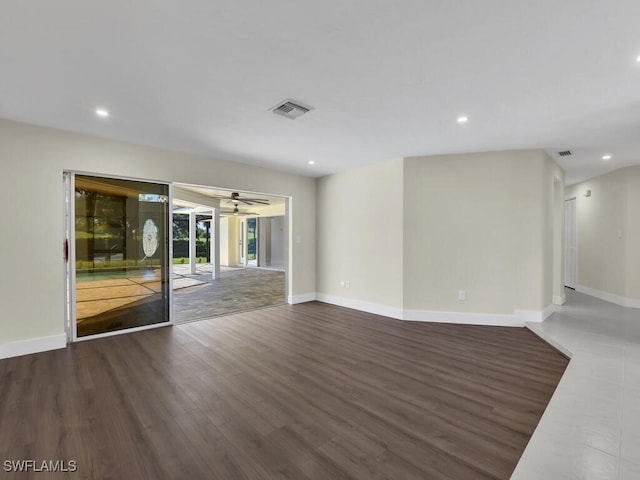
x: 239, y: 214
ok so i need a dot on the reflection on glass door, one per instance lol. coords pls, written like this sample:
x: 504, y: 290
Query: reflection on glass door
x: 121, y: 254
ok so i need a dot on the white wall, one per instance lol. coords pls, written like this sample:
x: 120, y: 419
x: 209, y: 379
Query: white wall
x: 553, y: 232
x: 608, y: 235
x: 278, y: 239
x: 414, y: 232
x: 406, y: 234
x: 632, y: 250
x: 360, y: 237
x: 32, y: 160
x: 558, y: 250
x: 459, y: 225
x: 479, y: 223
x: 264, y: 241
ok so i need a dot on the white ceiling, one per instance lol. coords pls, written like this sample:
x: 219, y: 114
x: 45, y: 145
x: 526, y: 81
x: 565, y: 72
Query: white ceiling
x: 386, y: 78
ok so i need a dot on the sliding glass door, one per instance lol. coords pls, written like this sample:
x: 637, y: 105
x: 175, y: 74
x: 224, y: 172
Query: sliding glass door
x: 252, y: 242
x: 121, y: 254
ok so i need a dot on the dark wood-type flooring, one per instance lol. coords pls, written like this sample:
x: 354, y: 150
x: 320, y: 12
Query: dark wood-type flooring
x: 310, y: 391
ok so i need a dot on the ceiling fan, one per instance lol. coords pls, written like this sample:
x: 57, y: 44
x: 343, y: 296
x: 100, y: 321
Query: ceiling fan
x: 236, y: 212
x: 236, y: 198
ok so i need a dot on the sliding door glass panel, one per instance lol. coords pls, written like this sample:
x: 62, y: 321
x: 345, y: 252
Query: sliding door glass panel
x: 252, y: 241
x: 122, y: 254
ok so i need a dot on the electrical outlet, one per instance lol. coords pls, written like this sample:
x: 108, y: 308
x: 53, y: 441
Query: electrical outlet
x: 341, y: 283
x: 462, y: 295
x: 347, y: 284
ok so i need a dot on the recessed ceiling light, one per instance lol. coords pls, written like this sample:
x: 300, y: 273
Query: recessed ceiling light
x: 606, y: 157
x: 463, y: 119
x: 101, y: 112
x: 311, y: 162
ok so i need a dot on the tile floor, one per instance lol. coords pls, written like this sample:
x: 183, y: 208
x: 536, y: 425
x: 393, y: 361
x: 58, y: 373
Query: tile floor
x: 237, y: 290
x: 591, y: 427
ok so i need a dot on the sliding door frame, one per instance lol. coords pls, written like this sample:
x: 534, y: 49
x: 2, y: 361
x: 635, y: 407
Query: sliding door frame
x: 70, y: 321
x: 70, y: 256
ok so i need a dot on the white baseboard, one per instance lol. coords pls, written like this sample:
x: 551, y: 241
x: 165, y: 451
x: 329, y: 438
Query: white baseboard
x: 302, y: 298
x: 534, y: 315
x: 609, y: 297
x: 560, y: 299
x: 501, y: 320
x: 517, y: 319
x: 32, y: 345
x: 374, y: 308
x: 549, y: 310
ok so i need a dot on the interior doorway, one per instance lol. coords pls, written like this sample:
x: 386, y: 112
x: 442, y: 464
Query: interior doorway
x: 252, y: 243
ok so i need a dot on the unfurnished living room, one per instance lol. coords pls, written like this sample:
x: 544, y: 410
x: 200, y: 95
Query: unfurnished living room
x: 330, y: 240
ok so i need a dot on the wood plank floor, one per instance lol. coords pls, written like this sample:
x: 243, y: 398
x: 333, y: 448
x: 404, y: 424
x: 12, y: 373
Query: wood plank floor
x: 310, y: 391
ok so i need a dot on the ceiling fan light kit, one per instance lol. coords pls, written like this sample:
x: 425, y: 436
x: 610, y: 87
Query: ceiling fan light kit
x: 235, y: 198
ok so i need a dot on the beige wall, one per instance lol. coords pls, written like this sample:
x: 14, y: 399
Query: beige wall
x: 479, y: 223
x: 33, y: 160
x: 234, y: 241
x: 559, y: 296
x: 553, y: 232
x: 224, y: 241
x: 608, y: 232
x: 360, y: 234
x: 414, y: 232
x: 229, y: 241
x: 632, y: 249
x: 406, y: 234
x: 278, y: 239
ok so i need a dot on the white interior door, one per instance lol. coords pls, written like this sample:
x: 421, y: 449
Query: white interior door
x: 570, y: 244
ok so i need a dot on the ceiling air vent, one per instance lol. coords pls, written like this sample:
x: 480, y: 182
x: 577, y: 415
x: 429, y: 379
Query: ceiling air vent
x: 291, y: 109
x: 565, y: 153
